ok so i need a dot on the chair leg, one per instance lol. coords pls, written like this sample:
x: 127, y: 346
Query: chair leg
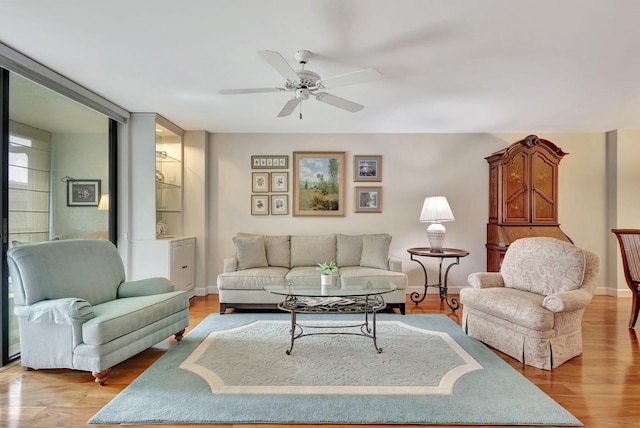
x: 101, y: 377
x: 634, y: 310
x: 179, y: 335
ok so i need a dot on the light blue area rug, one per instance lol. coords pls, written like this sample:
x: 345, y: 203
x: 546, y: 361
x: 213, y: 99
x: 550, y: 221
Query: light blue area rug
x: 233, y: 369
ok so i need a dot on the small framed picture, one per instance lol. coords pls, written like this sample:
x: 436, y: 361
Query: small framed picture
x: 279, y: 204
x: 279, y: 181
x: 367, y: 168
x: 259, y: 204
x: 83, y: 193
x: 368, y: 200
x: 270, y: 161
x: 259, y: 182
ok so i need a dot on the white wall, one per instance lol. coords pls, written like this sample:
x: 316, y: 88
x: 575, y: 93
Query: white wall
x: 623, y: 154
x: 85, y: 157
x: 413, y: 167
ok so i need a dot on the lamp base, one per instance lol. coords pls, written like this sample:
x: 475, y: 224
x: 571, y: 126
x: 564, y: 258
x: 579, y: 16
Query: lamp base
x: 436, y: 233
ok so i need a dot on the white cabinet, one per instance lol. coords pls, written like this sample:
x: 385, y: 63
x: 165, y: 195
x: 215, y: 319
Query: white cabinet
x: 169, y: 258
x: 182, y: 259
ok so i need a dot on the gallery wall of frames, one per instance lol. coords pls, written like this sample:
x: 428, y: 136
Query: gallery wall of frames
x: 317, y: 183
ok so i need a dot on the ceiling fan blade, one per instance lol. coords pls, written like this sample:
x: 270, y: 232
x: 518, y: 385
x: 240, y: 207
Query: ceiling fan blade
x: 289, y: 107
x: 249, y: 91
x: 339, y: 102
x: 361, y: 76
x: 280, y: 64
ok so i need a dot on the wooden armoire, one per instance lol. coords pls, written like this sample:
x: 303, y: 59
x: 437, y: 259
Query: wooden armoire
x: 523, y: 195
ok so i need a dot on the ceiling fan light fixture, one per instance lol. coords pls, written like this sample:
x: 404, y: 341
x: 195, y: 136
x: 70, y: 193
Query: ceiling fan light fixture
x: 302, y: 94
x: 304, y: 83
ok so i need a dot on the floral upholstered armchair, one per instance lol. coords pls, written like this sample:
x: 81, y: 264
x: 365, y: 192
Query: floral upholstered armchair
x: 532, y: 309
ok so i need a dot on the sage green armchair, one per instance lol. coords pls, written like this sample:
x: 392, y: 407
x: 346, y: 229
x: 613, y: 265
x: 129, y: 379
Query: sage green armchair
x: 76, y: 310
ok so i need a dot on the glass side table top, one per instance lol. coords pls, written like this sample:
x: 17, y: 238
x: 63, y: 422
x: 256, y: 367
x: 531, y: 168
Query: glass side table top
x: 349, y: 288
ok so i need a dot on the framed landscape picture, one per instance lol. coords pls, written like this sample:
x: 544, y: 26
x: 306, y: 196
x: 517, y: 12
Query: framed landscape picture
x: 259, y: 182
x: 259, y: 204
x: 367, y: 168
x: 368, y: 200
x: 318, y: 187
x: 83, y: 193
x: 279, y: 204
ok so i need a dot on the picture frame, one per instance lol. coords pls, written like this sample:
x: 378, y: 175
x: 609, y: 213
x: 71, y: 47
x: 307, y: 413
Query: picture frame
x: 368, y: 199
x: 259, y: 204
x: 83, y: 193
x: 260, y: 182
x: 319, y: 182
x: 279, y: 182
x: 279, y: 204
x: 367, y: 168
x: 270, y: 161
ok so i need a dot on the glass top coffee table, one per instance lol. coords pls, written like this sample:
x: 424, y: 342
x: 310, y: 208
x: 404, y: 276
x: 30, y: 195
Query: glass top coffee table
x: 354, y: 296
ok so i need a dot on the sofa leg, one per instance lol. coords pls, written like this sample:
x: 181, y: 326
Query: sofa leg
x: 101, y: 377
x: 403, y: 309
x: 223, y: 308
x: 179, y: 335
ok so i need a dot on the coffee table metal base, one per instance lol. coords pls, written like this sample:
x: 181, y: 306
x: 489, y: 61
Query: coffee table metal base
x: 367, y: 305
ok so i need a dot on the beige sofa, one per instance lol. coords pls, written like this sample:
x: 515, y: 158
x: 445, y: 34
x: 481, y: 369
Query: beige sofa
x: 532, y: 309
x: 277, y: 260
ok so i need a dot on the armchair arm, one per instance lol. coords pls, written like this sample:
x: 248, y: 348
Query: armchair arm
x: 395, y: 264
x: 567, y: 301
x: 486, y: 280
x: 230, y: 264
x: 145, y: 287
x: 68, y: 310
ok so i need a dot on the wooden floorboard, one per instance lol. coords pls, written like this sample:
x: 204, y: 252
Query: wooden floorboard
x: 601, y: 387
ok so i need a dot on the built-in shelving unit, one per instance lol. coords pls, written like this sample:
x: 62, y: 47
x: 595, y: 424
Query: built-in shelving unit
x: 158, y: 246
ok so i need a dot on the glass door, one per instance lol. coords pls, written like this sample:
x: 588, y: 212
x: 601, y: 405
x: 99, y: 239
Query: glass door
x: 56, y: 158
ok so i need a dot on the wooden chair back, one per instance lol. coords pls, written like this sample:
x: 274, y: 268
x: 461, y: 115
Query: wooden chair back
x: 629, y: 241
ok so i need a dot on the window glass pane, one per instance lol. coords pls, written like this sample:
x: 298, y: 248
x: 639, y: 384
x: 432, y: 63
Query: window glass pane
x: 52, y: 140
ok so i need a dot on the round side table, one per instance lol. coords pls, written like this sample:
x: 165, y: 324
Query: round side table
x: 446, y: 253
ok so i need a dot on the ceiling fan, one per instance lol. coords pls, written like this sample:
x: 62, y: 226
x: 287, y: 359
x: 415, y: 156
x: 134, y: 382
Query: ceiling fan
x: 305, y: 83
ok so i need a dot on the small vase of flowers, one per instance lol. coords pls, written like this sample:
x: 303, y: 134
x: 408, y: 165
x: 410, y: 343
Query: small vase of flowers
x: 327, y: 270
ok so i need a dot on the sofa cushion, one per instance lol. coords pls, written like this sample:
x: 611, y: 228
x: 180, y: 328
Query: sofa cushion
x: 348, y: 250
x: 313, y: 249
x: 515, y: 306
x: 375, y: 251
x: 122, y: 316
x: 350, y: 273
x: 543, y: 265
x: 250, y: 252
x: 277, y: 248
x: 252, y: 279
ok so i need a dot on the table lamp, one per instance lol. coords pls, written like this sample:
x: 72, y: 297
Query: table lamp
x: 436, y: 210
x: 103, y: 205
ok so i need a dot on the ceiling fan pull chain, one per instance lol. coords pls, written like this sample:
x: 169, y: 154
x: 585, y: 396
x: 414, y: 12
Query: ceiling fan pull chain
x: 300, y: 111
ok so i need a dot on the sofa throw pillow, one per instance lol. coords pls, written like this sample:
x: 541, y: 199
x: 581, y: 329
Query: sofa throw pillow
x: 250, y: 252
x: 276, y: 247
x: 375, y: 251
x: 543, y: 266
x: 313, y: 249
x: 348, y: 250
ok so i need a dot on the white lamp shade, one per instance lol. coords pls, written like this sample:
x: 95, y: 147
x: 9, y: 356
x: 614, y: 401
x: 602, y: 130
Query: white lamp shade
x: 436, y: 209
x: 103, y: 205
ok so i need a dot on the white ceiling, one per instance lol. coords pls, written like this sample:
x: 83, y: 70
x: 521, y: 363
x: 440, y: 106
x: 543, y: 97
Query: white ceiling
x: 447, y: 65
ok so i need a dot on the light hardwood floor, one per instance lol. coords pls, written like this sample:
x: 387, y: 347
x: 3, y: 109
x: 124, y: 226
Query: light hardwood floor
x: 601, y: 387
